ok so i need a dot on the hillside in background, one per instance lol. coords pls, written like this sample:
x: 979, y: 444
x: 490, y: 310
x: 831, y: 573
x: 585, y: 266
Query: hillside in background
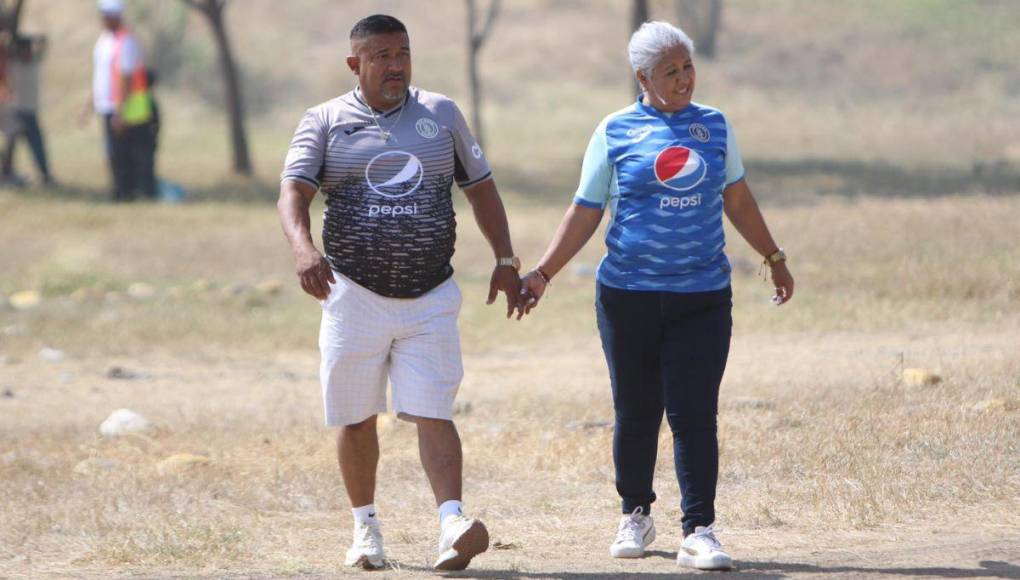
x: 866, y: 96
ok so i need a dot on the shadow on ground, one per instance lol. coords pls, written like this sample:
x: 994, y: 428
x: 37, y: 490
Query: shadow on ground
x: 776, y: 180
x: 235, y: 190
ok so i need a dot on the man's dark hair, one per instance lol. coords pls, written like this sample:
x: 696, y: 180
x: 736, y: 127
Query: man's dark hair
x: 377, y: 24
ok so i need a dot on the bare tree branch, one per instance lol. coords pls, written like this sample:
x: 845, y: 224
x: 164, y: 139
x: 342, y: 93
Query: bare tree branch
x: 478, y: 37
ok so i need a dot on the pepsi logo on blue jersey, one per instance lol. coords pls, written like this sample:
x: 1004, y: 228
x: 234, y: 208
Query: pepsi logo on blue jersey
x: 662, y: 176
x: 680, y: 168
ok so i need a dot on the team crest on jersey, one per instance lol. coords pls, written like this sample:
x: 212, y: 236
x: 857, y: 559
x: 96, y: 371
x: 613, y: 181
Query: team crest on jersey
x: 700, y: 132
x: 394, y: 174
x: 680, y: 168
x: 426, y: 127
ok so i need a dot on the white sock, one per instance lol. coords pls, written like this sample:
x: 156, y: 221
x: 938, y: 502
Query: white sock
x: 365, y: 514
x: 450, y: 507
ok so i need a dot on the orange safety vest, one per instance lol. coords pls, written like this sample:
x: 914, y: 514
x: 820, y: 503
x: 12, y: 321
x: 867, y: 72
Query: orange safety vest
x: 137, y: 105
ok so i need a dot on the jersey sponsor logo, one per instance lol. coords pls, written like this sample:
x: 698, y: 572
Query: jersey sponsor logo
x: 476, y: 150
x: 426, y: 127
x: 680, y: 168
x: 354, y: 130
x: 394, y: 174
x: 700, y: 132
x: 392, y: 210
x: 680, y: 202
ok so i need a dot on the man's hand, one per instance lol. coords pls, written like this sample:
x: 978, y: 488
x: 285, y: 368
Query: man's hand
x: 505, y: 279
x: 782, y: 279
x: 315, y: 274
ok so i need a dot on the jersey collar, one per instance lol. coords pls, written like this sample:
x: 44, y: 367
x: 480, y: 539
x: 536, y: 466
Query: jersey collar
x: 361, y: 100
x: 650, y: 110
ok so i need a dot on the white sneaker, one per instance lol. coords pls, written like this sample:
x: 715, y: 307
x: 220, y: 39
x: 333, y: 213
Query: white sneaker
x: 702, y: 551
x: 636, y: 531
x: 367, y: 548
x: 462, y: 538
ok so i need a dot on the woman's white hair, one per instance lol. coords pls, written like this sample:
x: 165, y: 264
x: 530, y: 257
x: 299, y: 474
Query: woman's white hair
x: 649, y: 42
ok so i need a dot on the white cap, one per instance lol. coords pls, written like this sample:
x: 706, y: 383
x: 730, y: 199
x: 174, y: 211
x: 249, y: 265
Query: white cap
x: 111, y: 7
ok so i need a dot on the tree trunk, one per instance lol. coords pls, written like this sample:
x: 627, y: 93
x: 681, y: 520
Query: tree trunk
x: 213, y: 11
x: 15, y: 17
x: 235, y: 104
x: 476, y: 38
x: 639, y: 16
x: 701, y: 20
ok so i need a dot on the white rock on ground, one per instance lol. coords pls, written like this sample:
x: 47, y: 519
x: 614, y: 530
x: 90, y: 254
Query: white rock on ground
x: 25, y: 299
x: 123, y: 422
x: 52, y: 354
x: 141, y: 291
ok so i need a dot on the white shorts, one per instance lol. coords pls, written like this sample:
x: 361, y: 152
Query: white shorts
x: 365, y: 338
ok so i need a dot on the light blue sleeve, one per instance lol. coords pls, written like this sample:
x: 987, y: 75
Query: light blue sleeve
x: 734, y: 164
x: 596, y: 172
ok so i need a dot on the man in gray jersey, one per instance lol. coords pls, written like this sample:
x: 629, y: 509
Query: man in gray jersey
x: 386, y: 155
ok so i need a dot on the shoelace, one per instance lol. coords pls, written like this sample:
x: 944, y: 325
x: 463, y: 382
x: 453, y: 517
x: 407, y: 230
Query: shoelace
x: 707, y: 534
x: 630, y: 526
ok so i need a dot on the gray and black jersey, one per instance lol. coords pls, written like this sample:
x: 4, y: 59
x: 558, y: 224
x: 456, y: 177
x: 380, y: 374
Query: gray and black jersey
x: 389, y: 221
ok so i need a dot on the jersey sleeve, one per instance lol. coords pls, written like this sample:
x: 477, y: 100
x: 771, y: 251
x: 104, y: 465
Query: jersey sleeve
x: 596, y: 172
x: 470, y: 165
x: 307, y: 150
x: 734, y: 163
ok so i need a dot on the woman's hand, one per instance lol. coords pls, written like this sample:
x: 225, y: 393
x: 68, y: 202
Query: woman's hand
x: 532, y: 288
x: 782, y: 279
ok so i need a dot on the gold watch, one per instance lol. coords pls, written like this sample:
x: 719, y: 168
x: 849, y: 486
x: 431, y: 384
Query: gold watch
x: 776, y: 257
x: 514, y: 262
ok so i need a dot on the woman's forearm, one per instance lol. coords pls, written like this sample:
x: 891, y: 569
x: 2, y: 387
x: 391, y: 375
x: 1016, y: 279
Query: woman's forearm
x: 577, y: 227
x: 743, y: 212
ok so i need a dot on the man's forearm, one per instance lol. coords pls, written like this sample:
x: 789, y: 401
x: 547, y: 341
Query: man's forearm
x: 491, y: 217
x: 294, y: 216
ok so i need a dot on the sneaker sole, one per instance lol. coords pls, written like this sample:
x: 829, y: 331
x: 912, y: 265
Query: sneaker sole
x: 366, y: 563
x: 472, y: 542
x: 689, y: 561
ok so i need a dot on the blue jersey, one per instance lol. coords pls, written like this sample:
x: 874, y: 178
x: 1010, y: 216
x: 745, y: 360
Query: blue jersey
x: 662, y: 175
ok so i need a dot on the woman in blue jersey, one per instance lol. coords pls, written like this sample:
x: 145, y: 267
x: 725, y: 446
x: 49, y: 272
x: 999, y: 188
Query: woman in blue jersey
x: 668, y: 168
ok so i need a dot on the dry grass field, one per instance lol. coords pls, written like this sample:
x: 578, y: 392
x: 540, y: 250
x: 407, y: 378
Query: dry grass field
x: 830, y: 463
x: 880, y: 136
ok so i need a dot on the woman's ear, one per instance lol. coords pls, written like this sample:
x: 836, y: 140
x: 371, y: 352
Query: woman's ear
x: 641, y: 78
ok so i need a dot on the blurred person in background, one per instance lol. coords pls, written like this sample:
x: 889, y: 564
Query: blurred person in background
x: 668, y: 168
x: 23, y: 78
x: 386, y: 155
x: 120, y: 95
